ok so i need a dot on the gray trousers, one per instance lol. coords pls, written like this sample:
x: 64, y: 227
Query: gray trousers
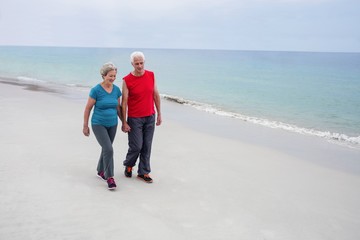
x: 140, y: 140
x: 105, y: 137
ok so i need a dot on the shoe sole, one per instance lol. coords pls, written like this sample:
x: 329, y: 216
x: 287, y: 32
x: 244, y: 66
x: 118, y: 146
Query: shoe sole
x: 127, y: 174
x: 101, y: 177
x: 140, y: 178
x: 113, y: 188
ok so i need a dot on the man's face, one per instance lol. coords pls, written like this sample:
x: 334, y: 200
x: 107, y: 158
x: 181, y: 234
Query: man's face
x: 138, y: 64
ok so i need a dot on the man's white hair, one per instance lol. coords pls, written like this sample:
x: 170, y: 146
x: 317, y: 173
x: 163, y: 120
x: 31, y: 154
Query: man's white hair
x: 137, y: 55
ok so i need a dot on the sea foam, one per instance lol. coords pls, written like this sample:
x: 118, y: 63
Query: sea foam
x: 333, y: 137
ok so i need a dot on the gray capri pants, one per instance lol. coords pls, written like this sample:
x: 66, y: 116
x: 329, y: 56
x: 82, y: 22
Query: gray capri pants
x: 105, y: 137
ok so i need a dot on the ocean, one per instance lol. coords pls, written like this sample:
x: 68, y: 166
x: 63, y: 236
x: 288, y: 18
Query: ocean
x: 309, y: 93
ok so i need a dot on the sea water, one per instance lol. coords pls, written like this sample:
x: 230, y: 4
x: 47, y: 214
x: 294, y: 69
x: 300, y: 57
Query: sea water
x: 304, y: 92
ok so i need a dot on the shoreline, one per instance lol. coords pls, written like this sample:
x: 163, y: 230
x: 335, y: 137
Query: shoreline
x: 336, y: 138
x: 80, y: 92
x: 212, y: 176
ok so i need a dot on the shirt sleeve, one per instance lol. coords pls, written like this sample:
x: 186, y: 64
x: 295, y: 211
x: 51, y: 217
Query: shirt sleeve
x: 93, y: 93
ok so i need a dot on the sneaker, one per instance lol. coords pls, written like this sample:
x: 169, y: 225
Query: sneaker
x: 111, y: 183
x: 146, y: 178
x: 128, y: 171
x: 101, y: 175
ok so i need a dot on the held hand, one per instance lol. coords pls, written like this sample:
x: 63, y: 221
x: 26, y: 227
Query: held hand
x: 125, y: 127
x: 86, y: 131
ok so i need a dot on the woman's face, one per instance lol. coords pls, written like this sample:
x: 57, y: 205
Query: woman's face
x: 110, y: 76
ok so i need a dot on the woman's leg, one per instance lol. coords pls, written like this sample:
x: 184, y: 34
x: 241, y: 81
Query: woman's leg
x: 105, y: 137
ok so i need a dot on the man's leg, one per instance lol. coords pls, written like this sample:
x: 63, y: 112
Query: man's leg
x: 145, y: 153
x: 135, y: 141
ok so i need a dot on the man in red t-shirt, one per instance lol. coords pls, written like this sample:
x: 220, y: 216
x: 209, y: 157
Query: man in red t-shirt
x: 139, y: 96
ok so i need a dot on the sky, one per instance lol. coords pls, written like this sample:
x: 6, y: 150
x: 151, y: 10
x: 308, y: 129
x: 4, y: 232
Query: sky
x: 271, y: 25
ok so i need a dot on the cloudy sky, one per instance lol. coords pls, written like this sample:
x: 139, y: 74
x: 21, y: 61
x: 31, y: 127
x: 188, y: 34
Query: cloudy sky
x: 285, y: 25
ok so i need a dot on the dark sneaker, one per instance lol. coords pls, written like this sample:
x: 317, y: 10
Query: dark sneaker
x: 101, y: 175
x: 128, y: 171
x: 146, y: 178
x: 111, y: 183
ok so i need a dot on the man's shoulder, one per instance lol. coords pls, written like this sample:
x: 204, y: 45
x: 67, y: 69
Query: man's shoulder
x: 149, y: 74
x: 127, y: 76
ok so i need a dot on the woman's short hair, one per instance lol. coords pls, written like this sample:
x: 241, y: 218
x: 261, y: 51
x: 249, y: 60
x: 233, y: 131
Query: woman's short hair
x: 107, y: 67
x: 137, y: 55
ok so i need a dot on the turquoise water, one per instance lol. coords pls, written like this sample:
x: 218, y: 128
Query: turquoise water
x: 307, y: 93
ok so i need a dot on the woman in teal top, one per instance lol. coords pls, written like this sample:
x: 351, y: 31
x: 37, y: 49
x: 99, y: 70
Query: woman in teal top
x: 105, y: 96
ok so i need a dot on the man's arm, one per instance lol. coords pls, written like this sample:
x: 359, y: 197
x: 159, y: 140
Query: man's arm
x: 157, y: 105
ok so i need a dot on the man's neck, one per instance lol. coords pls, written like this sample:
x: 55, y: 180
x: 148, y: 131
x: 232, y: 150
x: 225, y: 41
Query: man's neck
x: 137, y: 73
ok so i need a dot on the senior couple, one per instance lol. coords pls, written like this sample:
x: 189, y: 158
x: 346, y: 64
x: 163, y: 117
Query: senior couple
x: 136, y: 110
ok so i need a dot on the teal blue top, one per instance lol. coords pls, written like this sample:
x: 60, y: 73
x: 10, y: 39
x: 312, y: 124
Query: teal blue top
x: 105, y: 111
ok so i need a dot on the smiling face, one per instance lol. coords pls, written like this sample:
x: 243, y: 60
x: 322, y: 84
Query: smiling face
x: 110, y: 77
x: 138, y: 65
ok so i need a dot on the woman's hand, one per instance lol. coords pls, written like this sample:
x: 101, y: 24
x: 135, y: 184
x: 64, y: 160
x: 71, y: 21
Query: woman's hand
x: 86, y: 131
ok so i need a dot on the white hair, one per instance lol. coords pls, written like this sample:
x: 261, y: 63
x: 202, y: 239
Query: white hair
x: 107, y: 67
x: 137, y: 55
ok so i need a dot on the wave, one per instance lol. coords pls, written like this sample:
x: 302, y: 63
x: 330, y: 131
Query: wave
x: 73, y: 91
x: 30, y: 80
x: 338, y: 138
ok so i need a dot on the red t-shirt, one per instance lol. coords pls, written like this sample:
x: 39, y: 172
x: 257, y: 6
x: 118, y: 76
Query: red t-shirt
x: 141, y: 94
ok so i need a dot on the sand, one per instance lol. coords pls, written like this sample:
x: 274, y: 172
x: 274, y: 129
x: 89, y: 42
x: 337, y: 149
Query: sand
x: 214, y: 178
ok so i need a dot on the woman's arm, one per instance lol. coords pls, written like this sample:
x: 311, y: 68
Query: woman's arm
x: 89, y: 105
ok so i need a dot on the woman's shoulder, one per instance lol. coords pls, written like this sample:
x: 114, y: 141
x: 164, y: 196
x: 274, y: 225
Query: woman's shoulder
x: 96, y: 87
x: 117, y: 90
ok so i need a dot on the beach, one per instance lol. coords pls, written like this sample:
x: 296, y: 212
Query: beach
x: 214, y: 178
